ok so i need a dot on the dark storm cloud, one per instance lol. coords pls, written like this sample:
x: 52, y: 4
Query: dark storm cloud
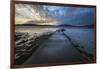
x: 81, y: 16
x: 72, y: 15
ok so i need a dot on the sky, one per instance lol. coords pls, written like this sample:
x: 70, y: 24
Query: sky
x: 53, y: 15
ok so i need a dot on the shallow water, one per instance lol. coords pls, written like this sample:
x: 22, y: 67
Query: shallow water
x: 58, y: 48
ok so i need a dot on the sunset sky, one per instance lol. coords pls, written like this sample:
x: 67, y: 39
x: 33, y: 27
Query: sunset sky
x: 53, y: 15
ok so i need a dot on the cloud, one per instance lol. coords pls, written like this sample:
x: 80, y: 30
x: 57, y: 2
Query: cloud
x: 82, y: 16
x: 74, y: 15
x: 58, y: 14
